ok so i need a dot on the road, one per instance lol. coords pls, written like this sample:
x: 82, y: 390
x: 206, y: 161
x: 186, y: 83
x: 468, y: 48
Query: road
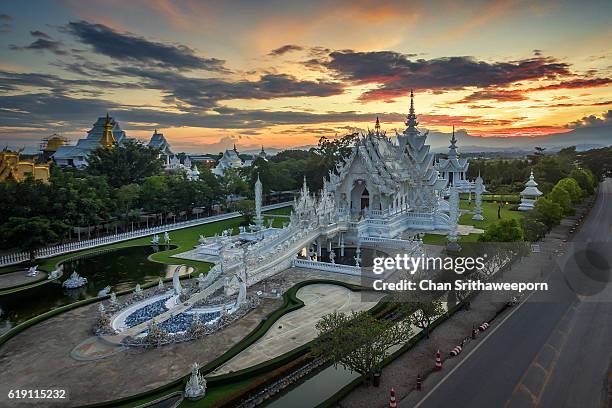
x: 555, y: 349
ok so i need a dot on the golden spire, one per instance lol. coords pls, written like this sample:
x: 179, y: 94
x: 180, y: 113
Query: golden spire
x: 108, y: 140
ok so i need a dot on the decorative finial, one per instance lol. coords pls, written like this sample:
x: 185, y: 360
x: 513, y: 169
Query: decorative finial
x: 453, y: 139
x: 377, y: 125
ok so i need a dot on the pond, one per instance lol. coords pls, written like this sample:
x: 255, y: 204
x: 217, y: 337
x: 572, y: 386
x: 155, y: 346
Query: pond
x: 120, y: 269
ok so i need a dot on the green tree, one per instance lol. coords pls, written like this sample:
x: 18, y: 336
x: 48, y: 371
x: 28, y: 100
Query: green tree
x: 560, y: 196
x: 155, y: 195
x: 548, y: 212
x: 571, y: 186
x: 585, y: 179
x: 359, y: 342
x: 127, y: 163
x: 533, y: 228
x: 502, y: 231
x: 30, y: 234
x: 246, y: 208
x: 127, y: 196
x: 423, y: 313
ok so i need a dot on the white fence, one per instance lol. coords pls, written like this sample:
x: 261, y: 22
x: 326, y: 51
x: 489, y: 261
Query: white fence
x: 327, y: 267
x: 50, y: 251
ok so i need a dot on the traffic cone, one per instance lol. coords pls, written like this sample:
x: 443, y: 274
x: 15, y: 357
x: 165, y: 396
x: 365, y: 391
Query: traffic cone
x: 419, y: 385
x: 392, y: 402
x: 438, y: 361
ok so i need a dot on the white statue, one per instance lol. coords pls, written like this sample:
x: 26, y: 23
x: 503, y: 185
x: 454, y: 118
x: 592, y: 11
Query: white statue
x: 357, y: 257
x: 196, y: 386
x: 138, y: 289
x: 155, y: 239
x: 176, y: 282
x: 332, y: 257
x: 56, y: 273
x: 202, y: 239
x: 113, y: 298
x: 32, y: 271
x: 160, y: 284
x: 479, y: 188
x: 102, y: 310
x: 166, y: 237
x: 74, y: 281
x: 105, y: 291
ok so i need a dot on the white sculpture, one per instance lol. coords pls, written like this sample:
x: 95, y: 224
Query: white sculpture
x: 166, y: 237
x: 113, y: 298
x: 176, y: 282
x: 453, y: 238
x: 32, y: 271
x: 137, y: 290
x: 56, y: 273
x: 196, y: 385
x: 357, y: 256
x: 332, y: 257
x: 105, y: 291
x: 479, y: 187
x: 258, y: 203
x: 74, y: 281
x: 160, y: 284
x: 155, y: 239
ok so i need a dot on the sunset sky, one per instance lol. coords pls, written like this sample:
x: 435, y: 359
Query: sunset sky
x: 284, y: 73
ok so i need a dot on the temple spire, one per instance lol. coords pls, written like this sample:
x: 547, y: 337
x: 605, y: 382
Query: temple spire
x: 108, y: 140
x: 236, y: 150
x: 411, y: 121
x: 452, y: 149
x: 377, y: 125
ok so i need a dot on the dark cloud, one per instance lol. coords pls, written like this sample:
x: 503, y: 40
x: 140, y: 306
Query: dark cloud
x: 5, y: 23
x: 13, y: 81
x: 204, y: 93
x: 40, y: 34
x: 593, y: 121
x: 285, y: 49
x: 499, y: 95
x: 127, y: 47
x: 395, y: 73
x: 42, y: 44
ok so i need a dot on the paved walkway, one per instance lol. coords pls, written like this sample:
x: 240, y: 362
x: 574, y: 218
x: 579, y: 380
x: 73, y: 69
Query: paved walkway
x: 8, y: 280
x: 297, y: 328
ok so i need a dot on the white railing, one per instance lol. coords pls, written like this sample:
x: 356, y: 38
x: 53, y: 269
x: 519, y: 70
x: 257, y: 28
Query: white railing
x: 327, y: 267
x: 47, y: 252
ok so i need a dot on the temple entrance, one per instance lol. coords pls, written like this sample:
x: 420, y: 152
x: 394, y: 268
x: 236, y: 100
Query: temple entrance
x: 365, y: 199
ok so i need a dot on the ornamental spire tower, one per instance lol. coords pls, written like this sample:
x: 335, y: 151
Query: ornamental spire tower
x: 108, y: 140
x: 411, y: 120
x: 452, y: 149
x: 377, y: 126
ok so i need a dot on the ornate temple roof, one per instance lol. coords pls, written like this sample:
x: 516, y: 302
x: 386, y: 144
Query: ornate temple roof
x: 453, y: 163
x: 388, y: 163
x: 531, y: 188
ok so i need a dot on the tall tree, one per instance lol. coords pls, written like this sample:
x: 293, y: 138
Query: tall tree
x: 130, y: 162
x: 30, y: 234
x: 359, y: 342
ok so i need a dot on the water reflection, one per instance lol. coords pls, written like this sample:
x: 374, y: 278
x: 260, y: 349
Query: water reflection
x: 120, y: 269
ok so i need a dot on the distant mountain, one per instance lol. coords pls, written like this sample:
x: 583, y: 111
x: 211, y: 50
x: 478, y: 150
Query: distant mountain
x: 583, y: 138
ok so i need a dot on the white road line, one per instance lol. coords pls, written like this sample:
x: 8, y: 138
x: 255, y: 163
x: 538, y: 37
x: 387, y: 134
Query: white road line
x: 516, y: 308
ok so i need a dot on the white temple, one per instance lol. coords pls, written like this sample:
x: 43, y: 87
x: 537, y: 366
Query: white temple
x: 390, y: 187
x: 106, y: 131
x: 229, y: 160
x: 530, y: 194
x: 453, y: 169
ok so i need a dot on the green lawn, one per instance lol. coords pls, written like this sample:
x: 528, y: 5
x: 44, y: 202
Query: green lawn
x: 489, y: 212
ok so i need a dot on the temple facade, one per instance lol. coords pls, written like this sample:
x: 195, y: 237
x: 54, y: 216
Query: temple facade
x: 388, y: 187
x: 106, y: 132
x: 229, y: 160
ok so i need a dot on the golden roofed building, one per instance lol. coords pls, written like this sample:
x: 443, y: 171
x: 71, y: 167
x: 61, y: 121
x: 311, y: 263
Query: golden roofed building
x: 12, y: 168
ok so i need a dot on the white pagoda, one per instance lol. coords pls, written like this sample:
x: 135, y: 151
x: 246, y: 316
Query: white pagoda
x: 530, y: 194
x: 454, y: 169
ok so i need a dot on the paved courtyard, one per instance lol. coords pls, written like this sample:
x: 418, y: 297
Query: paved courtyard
x: 8, y: 280
x: 298, y: 327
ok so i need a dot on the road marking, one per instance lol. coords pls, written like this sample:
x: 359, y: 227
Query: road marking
x: 490, y: 333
